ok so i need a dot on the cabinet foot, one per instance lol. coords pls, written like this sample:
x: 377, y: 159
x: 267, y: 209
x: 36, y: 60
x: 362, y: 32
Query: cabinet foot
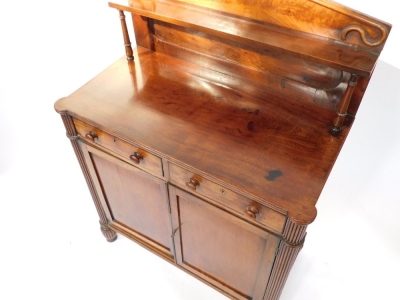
x: 108, y: 233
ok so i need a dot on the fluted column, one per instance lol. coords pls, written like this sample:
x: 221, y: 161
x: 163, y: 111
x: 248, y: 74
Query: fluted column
x: 108, y: 233
x: 289, y: 248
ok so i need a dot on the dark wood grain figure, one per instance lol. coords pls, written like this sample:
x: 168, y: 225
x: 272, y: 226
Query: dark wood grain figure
x: 212, y: 147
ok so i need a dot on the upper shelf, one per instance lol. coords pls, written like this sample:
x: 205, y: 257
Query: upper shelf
x: 352, y: 42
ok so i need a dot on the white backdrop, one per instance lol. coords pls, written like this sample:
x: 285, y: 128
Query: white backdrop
x: 51, y: 246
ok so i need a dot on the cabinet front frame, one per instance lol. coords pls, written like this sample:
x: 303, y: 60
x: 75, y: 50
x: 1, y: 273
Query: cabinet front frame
x: 175, y: 253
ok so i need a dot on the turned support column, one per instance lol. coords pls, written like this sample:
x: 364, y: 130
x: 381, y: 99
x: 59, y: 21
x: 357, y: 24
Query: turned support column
x: 108, y: 233
x: 343, y: 106
x: 289, y: 248
x: 127, y: 41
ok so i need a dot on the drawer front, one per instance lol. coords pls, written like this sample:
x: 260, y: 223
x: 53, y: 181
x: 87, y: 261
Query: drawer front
x: 136, y: 156
x: 240, y: 204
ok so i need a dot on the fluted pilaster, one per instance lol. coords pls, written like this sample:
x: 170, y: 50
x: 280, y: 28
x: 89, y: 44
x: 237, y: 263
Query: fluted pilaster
x: 289, y: 248
x: 108, y: 233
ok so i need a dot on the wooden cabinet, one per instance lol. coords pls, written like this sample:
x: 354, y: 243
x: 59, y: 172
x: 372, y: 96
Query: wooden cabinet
x: 212, y: 237
x: 210, y: 142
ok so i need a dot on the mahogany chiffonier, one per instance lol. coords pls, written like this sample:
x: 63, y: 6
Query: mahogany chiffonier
x: 210, y: 142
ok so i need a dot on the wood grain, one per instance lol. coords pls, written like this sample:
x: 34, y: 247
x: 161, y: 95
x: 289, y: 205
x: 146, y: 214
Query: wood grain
x: 262, y: 131
x: 229, y: 252
x: 284, y: 14
x: 211, y: 148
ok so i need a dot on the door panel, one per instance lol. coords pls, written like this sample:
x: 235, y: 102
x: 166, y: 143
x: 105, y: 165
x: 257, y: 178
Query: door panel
x: 235, y: 255
x: 131, y: 197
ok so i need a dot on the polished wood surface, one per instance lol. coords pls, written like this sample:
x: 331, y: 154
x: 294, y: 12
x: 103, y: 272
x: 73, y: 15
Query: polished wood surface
x: 253, y: 139
x: 236, y: 203
x: 319, y: 18
x: 210, y: 142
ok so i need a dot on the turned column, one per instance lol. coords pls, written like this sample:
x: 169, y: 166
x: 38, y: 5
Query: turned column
x: 125, y: 33
x: 108, y: 233
x: 343, y: 106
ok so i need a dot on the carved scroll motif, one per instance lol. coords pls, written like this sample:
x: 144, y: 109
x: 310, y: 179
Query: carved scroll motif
x: 363, y: 33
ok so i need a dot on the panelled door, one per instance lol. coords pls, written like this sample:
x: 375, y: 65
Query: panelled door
x: 135, y: 202
x: 225, y: 250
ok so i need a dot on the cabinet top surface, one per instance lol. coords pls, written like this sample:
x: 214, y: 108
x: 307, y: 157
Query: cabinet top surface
x: 254, y: 139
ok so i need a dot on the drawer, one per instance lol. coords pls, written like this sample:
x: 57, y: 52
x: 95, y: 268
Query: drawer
x: 131, y: 153
x: 248, y: 208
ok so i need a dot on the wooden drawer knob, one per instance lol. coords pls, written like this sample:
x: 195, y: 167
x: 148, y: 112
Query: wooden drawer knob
x: 91, y: 136
x: 251, y: 211
x: 192, y: 183
x: 136, y: 157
